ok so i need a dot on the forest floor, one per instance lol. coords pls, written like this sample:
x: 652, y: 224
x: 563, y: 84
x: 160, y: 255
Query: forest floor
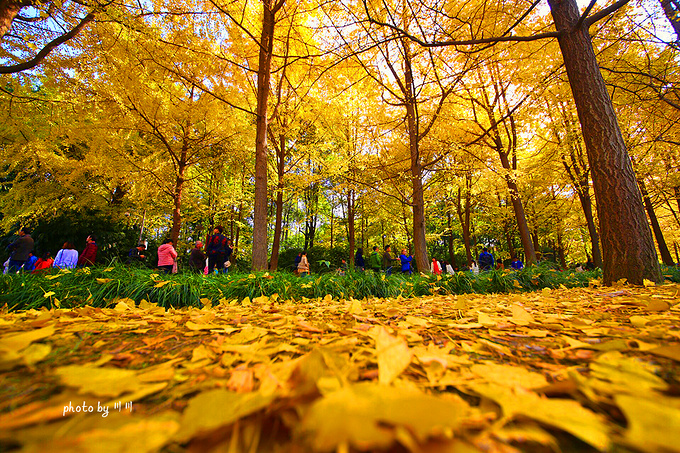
x: 554, y: 370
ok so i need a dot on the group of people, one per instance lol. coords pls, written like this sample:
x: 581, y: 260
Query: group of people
x: 21, y: 256
x: 386, y: 262
x: 378, y: 262
x: 215, y: 258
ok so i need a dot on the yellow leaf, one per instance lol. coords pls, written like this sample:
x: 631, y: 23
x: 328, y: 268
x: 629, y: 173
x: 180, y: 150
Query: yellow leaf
x: 648, y: 283
x: 161, y: 283
x: 653, y: 425
x: 110, y: 382
x: 394, y: 355
x: 50, y: 294
x: 215, y: 409
x: 520, y: 316
x: 17, y: 342
x: 509, y: 375
x: 104, y: 280
x: 365, y: 415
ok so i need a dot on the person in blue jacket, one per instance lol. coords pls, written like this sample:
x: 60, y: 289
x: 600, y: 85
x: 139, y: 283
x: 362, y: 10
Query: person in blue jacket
x: 516, y: 264
x: 405, y: 262
x: 486, y: 260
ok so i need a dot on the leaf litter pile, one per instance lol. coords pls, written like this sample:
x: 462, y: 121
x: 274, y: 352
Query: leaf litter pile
x: 554, y: 370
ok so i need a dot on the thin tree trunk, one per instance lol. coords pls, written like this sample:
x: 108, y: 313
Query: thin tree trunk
x: 518, y: 207
x: 177, y: 196
x: 628, y: 246
x: 656, y: 228
x: 263, y: 76
x: 350, y: 227
x: 464, y: 217
x: 278, y: 222
x: 587, y: 205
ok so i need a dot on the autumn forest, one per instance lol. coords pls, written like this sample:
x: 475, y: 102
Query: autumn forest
x: 539, y: 129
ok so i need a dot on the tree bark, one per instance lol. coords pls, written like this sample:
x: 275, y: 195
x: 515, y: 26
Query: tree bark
x: 350, y: 227
x: 627, y: 242
x: 587, y: 205
x: 672, y: 10
x: 656, y: 228
x: 178, y: 190
x: 278, y: 222
x: 418, y: 198
x: 263, y: 77
x: 464, y: 217
x: 8, y: 11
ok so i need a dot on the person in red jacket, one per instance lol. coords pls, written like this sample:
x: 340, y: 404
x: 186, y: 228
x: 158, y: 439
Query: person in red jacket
x: 89, y: 255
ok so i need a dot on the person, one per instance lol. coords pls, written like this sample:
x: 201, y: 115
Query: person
x: 450, y: 269
x: 474, y: 268
x: 516, y: 264
x: 20, y: 250
x: 405, y: 262
x: 29, y: 265
x: 303, y: 267
x: 136, y: 254
x: 67, y: 257
x: 374, y: 260
x: 215, y: 248
x: 387, y: 260
x: 197, y: 258
x: 228, y: 251
x: 436, y: 268
x: 167, y: 256
x: 486, y: 260
x: 43, y: 263
x: 359, y: 263
x: 296, y: 264
x: 89, y: 255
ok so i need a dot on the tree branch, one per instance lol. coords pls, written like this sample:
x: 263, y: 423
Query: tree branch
x: 48, y: 48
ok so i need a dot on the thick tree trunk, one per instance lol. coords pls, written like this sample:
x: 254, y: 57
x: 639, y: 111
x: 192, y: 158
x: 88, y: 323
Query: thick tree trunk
x: 452, y: 258
x: 628, y: 246
x: 8, y: 11
x: 418, y: 198
x: 560, y: 245
x: 672, y: 10
x: 656, y: 228
x: 263, y: 76
x: 587, y: 205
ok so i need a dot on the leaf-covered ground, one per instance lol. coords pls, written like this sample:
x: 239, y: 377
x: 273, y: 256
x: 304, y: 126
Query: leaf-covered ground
x: 554, y: 370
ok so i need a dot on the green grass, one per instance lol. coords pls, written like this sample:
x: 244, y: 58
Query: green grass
x: 104, y: 286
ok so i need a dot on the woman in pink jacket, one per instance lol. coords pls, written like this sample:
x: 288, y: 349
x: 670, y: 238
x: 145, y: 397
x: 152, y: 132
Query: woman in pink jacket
x: 166, y: 256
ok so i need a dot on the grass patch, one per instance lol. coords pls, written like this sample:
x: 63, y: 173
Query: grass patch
x: 105, y: 286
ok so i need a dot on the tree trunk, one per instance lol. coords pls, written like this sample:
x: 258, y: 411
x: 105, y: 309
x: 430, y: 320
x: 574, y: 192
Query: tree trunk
x: 8, y: 11
x: 656, y: 228
x: 450, y: 241
x: 177, y: 195
x: 350, y: 227
x: 627, y: 242
x: 464, y: 217
x: 560, y: 248
x: 418, y: 198
x: 672, y: 10
x: 278, y: 222
x: 518, y: 207
x: 263, y: 76
x: 587, y: 205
